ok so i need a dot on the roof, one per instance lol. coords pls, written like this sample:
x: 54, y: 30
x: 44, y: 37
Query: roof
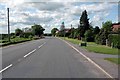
x: 116, y: 23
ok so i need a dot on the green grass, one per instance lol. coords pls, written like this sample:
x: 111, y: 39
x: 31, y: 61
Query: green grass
x: 75, y: 41
x: 19, y: 39
x: 102, y: 49
x: 93, y: 47
x: 114, y: 60
x: 14, y: 41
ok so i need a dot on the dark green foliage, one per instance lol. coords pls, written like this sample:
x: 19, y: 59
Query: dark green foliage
x: 107, y: 26
x: 27, y: 34
x: 84, y: 23
x: 37, y: 30
x: 96, y: 30
x: 114, y: 40
x: 18, y: 32
x: 89, y: 37
x: 13, y: 36
x: 104, y: 32
x: 3, y: 36
x: 61, y: 33
x: 53, y: 31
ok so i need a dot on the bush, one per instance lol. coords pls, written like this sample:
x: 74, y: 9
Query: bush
x: 89, y: 37
x: 114, y: 40
x: 101, y: 37
x: 27, y: 34
x: 30, y: 37
x: 13, y: 36
x: 4, y: 41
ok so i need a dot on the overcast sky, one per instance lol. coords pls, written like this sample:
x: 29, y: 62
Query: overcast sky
x: 51, y: 13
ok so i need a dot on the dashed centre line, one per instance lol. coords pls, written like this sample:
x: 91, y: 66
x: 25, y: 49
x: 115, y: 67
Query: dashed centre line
x: 21, y: 58
x: 6, y: 68
x: 30, y: 53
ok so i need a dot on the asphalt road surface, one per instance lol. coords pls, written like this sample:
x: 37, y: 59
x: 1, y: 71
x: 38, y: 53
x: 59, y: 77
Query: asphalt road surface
x: 46, y: 58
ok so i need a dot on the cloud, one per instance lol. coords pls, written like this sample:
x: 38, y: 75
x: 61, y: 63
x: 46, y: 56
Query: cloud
x: 51, y: 6
x: 51, y: 14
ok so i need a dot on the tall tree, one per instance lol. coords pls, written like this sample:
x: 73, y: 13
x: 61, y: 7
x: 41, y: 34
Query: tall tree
x: 37, y: 30
x: 53, y: 31
x: 84, y: 23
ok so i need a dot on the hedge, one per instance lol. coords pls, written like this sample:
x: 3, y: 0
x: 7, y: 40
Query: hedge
x: 114, y: 40
x: 14, y: 42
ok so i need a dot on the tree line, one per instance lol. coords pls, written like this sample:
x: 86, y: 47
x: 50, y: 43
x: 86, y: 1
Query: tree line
x: 86, y: 32
x: 35, y: 31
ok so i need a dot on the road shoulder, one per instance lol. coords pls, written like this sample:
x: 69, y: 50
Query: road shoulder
x: 109, y: 67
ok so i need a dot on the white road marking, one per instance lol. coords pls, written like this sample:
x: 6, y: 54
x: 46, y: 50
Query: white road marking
x: 21, y: 59
x: 88, y: 58
x: 42, y: 45
x: 30, y: 53
x: 6, y: 68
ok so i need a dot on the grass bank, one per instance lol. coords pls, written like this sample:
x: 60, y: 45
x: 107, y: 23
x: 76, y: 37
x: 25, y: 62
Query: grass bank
x: 14, y: 41
x: 114, y: 60
x: 93, y: 47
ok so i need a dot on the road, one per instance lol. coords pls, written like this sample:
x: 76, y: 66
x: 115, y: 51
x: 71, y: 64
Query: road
x: 46, y: 58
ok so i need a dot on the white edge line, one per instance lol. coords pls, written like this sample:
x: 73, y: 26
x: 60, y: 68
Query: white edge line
x: 88, y: 59
x: 6, y: 68
x: 30, y: 53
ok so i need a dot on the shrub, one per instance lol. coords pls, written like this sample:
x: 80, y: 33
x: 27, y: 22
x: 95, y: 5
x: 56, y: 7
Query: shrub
x: 27, y: 34
x: 89, y: 37
x: 114, y: 40
x: 13, y: 36
x: 101, y: 37
x: 30, y: 37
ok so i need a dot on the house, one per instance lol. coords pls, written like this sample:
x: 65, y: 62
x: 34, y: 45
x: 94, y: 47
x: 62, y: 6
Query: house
x: 115, y: 27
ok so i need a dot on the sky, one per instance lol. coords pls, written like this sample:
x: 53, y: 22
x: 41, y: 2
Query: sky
x: 51, y: 13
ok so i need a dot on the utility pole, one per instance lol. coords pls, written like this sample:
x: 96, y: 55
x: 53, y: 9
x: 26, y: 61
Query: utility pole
x: 8, y: 26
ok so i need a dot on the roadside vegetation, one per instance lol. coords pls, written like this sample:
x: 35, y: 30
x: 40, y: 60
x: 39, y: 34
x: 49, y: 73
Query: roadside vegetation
x: 114, y: 60
x: 93, y: 47
x: 26, y: 34
x: 103, y: 40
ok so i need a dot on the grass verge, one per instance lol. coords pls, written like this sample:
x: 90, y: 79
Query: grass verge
x: 93, y: 47
x: 114, y: 60
x: 15, y: 41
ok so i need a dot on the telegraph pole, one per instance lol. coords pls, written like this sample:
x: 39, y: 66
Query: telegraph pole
x: 8, y: 25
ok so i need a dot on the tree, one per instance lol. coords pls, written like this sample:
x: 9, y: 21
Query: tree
x: 53, y: 31
x: 107, y: 26
x: 89, y: 37
x: 84, y: 23
x: 104, y: 32
x: 37, y: 30
x: 102, y: 36
x: 96, y: 30
x: 18, y: 32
